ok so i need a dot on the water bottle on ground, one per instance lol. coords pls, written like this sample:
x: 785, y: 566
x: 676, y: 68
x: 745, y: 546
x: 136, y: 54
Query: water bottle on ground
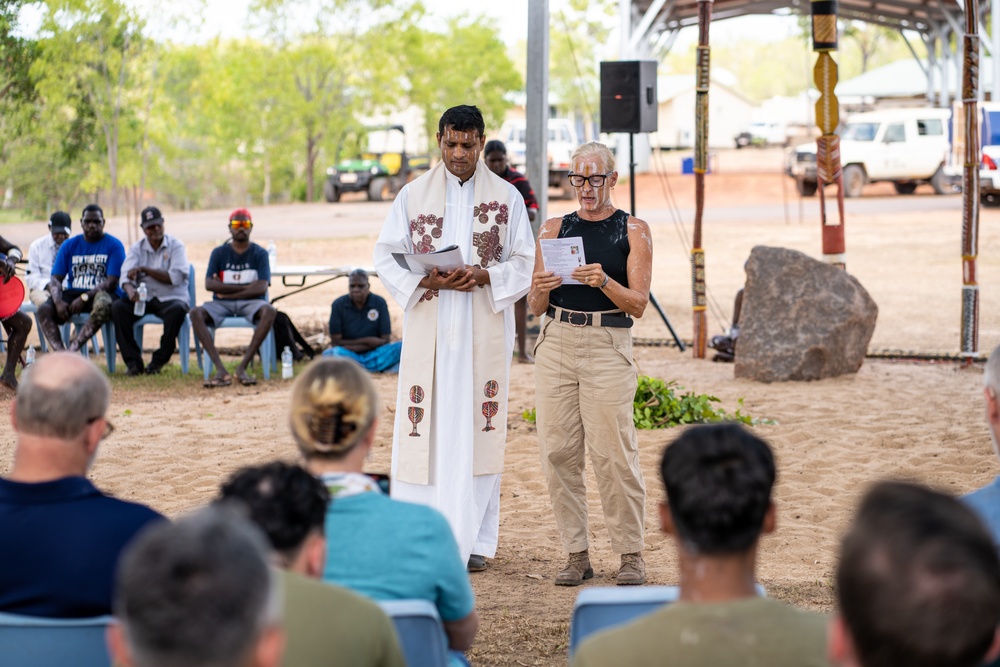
x: 140, y: 305
x: 29, y: 356
x: 272, y: 254
x: 286, y: 364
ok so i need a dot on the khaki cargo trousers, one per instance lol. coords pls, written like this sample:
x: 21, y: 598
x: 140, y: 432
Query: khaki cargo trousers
x: 585, y: 382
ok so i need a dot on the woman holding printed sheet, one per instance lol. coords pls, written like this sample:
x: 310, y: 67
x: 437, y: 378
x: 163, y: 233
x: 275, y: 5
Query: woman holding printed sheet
x: 585, y: 379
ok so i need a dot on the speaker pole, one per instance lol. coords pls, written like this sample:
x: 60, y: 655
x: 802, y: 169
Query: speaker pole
x: 631, y: 191
x: 631, y: 170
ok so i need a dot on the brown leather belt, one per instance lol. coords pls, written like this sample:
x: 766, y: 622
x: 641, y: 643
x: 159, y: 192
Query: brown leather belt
x: 579, y: 318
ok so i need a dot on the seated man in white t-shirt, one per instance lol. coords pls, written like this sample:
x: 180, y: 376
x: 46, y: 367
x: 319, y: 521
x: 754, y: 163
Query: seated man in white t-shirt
x: 42, y: 255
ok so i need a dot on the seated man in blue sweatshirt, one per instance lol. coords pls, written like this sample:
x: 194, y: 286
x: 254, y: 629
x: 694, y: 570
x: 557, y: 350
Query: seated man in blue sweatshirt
x: 360, y: 328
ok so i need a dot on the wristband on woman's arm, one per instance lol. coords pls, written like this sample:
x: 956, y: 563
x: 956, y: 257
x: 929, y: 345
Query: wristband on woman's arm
x: 606, y: 279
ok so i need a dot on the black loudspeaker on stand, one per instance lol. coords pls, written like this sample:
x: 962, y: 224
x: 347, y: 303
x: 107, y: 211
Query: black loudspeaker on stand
x: 629, y: 104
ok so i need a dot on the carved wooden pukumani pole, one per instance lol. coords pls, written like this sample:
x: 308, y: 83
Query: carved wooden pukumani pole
x: 828, y: 169
x: 699, y: 300
x: 970, y: 180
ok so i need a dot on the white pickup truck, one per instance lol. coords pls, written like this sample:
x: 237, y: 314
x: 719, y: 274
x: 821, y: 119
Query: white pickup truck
x: 905, y: 146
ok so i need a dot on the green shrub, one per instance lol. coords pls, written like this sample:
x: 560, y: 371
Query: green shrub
x: 660, y: 404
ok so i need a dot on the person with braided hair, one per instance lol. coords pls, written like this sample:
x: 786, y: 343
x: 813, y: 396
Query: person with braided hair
x: 377, y: 546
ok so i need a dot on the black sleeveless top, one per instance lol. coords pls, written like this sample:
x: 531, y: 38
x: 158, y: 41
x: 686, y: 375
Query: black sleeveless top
x: 605, y: 242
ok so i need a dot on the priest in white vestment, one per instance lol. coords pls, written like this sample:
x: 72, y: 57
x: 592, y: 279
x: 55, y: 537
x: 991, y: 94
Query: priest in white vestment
x: 458, y: 332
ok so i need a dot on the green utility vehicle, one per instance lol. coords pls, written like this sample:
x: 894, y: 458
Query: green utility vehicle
x: 380, y: 175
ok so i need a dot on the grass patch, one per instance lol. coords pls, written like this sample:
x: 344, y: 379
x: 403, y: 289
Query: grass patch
x: 12, y: 215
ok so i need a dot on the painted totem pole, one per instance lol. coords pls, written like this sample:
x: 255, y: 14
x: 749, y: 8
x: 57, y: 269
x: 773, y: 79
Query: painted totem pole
x: 970, y: 180
x: 828, y: 169
x: 699, y: 301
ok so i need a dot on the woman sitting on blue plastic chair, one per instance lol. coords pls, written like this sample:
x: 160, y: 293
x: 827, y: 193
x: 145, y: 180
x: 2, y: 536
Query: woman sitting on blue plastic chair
x: 377, y: 546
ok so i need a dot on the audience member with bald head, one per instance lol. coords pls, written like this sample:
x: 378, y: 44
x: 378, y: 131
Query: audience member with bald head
x: 61, y: 536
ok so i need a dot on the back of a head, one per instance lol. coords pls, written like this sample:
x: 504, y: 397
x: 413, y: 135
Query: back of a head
x: 991, y: 374
x: 918, y: 582
x: 62, y: 394
x: 283, y: 500
x: 463, y: 118
x: 494, y: 146
x: 334, y: 402
x: 197, y: 592
x: 718, y: 480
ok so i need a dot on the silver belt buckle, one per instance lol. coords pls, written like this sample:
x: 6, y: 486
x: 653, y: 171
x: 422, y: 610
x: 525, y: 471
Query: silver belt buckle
x: 576, y: 319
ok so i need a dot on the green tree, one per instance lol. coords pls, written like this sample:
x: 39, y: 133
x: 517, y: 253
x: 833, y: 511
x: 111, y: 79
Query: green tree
x: 90, y: 56
x: 467, y: 63
x: 575, y: 33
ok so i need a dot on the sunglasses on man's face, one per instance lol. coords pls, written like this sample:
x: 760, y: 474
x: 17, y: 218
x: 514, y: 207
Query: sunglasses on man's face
x: 240, y: 224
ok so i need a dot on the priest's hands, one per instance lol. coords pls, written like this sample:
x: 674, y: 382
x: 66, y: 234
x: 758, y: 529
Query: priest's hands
x: 461, y: 280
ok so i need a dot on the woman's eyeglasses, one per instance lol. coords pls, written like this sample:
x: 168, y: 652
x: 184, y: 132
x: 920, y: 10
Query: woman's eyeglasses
x: 240, y: 224
x: 596, y: 181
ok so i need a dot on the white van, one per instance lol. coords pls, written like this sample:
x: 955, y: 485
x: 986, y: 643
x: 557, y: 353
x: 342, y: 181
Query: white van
x: 905, y: 146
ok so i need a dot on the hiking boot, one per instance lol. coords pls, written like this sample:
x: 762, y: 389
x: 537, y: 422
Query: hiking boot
x: 632, y: 571
x: 476, y: 563
x: 576, y: 571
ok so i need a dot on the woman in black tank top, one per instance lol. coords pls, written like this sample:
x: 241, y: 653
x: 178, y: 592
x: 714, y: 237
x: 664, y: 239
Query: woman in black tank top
x: 585, y: 379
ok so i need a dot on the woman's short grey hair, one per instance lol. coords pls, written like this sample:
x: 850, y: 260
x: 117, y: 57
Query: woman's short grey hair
x: 61, y: 409
x: 598, y: 150
x: 198, y: 592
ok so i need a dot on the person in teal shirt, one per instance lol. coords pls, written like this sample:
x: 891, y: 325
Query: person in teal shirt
x: 377, y: 546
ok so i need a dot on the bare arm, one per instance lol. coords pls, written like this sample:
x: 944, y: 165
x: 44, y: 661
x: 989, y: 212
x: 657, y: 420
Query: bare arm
x: 141, y: 272
x: 254, y: 290
x: 13, y: 256
x: 542, y: 281
x: 631, y: 299
x: 365, y: 344
x: 462, y: 633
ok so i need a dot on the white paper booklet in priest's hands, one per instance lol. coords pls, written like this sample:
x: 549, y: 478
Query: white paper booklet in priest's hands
x: 444, y: 260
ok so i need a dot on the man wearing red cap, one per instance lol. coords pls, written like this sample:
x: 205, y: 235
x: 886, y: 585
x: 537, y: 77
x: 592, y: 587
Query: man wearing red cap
x: 238, y: 275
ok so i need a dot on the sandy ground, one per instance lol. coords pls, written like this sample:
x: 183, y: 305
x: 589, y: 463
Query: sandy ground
x: 175, y: 442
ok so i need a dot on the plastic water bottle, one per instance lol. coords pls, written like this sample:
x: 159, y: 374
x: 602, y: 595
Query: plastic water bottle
x: 272, y: 254
x: 286, y: 364
x: 29, y: 356
x: 140, y: 305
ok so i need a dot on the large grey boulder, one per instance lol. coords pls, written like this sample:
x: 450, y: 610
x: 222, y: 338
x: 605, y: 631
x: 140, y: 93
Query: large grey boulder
x: 801, y: 319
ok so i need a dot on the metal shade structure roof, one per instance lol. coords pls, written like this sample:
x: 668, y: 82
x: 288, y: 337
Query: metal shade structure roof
x: 918, y: 15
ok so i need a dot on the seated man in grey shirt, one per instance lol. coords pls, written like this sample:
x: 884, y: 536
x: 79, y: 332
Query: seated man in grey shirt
x: 160, y: 262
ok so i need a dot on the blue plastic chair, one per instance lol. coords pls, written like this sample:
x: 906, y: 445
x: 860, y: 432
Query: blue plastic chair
x: 183, y: 336
x: 29, y: 308
x: 420, y: 631
x: 267, y: 351
x: 605, y: 607
x: 107, y: 332
x: 28, y: 641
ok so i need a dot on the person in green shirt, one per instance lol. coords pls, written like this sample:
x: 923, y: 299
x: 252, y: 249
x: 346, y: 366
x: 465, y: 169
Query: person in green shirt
x: 325, y: 624
x: 718, y: 481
